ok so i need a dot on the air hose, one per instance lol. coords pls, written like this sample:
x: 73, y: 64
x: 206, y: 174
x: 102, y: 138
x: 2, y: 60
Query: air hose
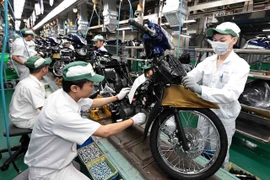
x: 118, y: 25
x: 180, y: 25
x: 90, y: 21
x: 2, y: 81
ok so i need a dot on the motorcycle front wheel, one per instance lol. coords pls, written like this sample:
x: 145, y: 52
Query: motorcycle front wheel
x: 58, y: 67
x: 207, y: 141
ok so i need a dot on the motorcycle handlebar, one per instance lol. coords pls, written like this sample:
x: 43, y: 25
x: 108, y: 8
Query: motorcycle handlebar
x: 143, y: 29
x: 139, y: 26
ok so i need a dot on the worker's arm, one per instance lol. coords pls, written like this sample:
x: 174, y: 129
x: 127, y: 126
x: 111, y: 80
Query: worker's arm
x: 103, y: 101
x: 17, y: 59
x: 112, y: 129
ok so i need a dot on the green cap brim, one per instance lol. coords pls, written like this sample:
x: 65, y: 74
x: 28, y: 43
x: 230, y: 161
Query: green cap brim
x: 96, y: 78
x: 48, y: 61
x: 210, y: 32
x: 146, y: 66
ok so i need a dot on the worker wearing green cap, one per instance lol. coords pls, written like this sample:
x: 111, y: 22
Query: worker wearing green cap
x: 60, y: 126
x: 21, y: 51
x: 221, y: 79
x: 29, y: 95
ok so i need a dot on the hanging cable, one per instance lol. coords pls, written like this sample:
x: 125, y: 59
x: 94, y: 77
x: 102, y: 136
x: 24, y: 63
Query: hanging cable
x: 90, y: 21
x: 180, y: 26
x: 2, y: 82
x: 118, y: 26
x: 131, y: 13
x: 98, y: 15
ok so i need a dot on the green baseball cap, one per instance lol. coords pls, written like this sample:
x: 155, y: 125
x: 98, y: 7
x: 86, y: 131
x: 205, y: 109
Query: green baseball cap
x: 224, y: 28
x: 98, y: 37
x: 147, y: 67
x: 27, y: 31
x: 80, y: 70
x: 35, y: 62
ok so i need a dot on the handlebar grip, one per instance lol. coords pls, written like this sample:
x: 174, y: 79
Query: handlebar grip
x: 137, y: 25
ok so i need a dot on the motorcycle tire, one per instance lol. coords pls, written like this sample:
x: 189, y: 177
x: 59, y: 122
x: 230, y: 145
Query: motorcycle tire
x: 58, y: 67
x: 193, y: 155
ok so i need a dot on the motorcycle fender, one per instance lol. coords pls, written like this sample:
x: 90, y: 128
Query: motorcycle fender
x: 138, y: 81
x: 155, y: 112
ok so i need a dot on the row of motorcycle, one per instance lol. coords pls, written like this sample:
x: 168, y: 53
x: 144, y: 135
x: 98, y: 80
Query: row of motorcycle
x: 177, y: 140
x: 55, y: 48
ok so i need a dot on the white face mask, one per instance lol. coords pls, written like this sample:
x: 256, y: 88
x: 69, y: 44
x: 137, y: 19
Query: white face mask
x: 220, y: 48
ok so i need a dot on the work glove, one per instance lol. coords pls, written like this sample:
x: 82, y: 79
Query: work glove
x: 123, y: 93
x: 190, y: 83
x: 138, y: 118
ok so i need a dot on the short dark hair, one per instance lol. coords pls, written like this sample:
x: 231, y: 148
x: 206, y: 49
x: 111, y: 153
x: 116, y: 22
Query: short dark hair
x: 215, y: 32
x: 67, y: 84
x: 32, y: 71
x: 26, y: 35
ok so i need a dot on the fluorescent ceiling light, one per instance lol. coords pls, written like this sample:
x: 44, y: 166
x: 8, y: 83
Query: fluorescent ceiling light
x: 57, y: 10
x: 265, y: 30
x: 189, y: 21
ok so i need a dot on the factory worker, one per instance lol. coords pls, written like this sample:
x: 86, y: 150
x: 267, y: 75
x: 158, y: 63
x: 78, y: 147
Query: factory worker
x: 99, y: 43
x: 60, y: 127
x: 20, y: 52
x: 221, y: 78
x: 29, y: 95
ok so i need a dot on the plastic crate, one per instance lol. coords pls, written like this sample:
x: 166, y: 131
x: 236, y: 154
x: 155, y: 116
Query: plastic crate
x: 102, y: 169
x: 89, y: 153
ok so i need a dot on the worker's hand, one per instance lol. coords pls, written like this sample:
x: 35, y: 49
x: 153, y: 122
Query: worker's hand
x: 123, y: 93
x: 138, y: 118
x: 190, y: 83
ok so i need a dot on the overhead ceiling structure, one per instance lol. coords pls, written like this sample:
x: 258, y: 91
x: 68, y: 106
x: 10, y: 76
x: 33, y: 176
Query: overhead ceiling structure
x: 29, y: 7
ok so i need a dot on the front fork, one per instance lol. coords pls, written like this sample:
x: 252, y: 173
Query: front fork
x: 180, y: 133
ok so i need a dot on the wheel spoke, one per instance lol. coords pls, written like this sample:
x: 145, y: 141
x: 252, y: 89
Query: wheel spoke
x: 205, y: 144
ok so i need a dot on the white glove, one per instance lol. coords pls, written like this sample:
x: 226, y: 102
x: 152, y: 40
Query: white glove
x: 123, y: 93
x: 138, y: 118
x: 190, y: 83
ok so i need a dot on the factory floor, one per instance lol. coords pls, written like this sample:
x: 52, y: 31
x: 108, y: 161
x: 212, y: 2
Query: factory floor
x: 241, y: 155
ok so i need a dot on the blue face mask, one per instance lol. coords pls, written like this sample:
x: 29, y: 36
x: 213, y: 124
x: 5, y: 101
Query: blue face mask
x: 220, y: 48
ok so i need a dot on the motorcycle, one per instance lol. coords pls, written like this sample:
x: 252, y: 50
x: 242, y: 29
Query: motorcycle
x: 68, y: 55
x: 115, y: 71
x: 187, y: 139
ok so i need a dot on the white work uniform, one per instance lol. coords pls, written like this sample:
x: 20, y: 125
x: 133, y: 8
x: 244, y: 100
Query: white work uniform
x: 32, y: 48
x: 59, y: 128
x: 102, y: 48
x: 223, y: 85
x: 21, y: 49
x: 29, y: 95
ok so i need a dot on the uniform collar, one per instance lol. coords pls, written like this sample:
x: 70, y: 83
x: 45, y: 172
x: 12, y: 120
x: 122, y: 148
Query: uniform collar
x: 231, y: 56
x: 71, y: 102
x: 35, y: 79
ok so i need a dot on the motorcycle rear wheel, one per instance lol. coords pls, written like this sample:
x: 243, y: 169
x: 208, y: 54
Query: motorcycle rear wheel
x: 208, y: 144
